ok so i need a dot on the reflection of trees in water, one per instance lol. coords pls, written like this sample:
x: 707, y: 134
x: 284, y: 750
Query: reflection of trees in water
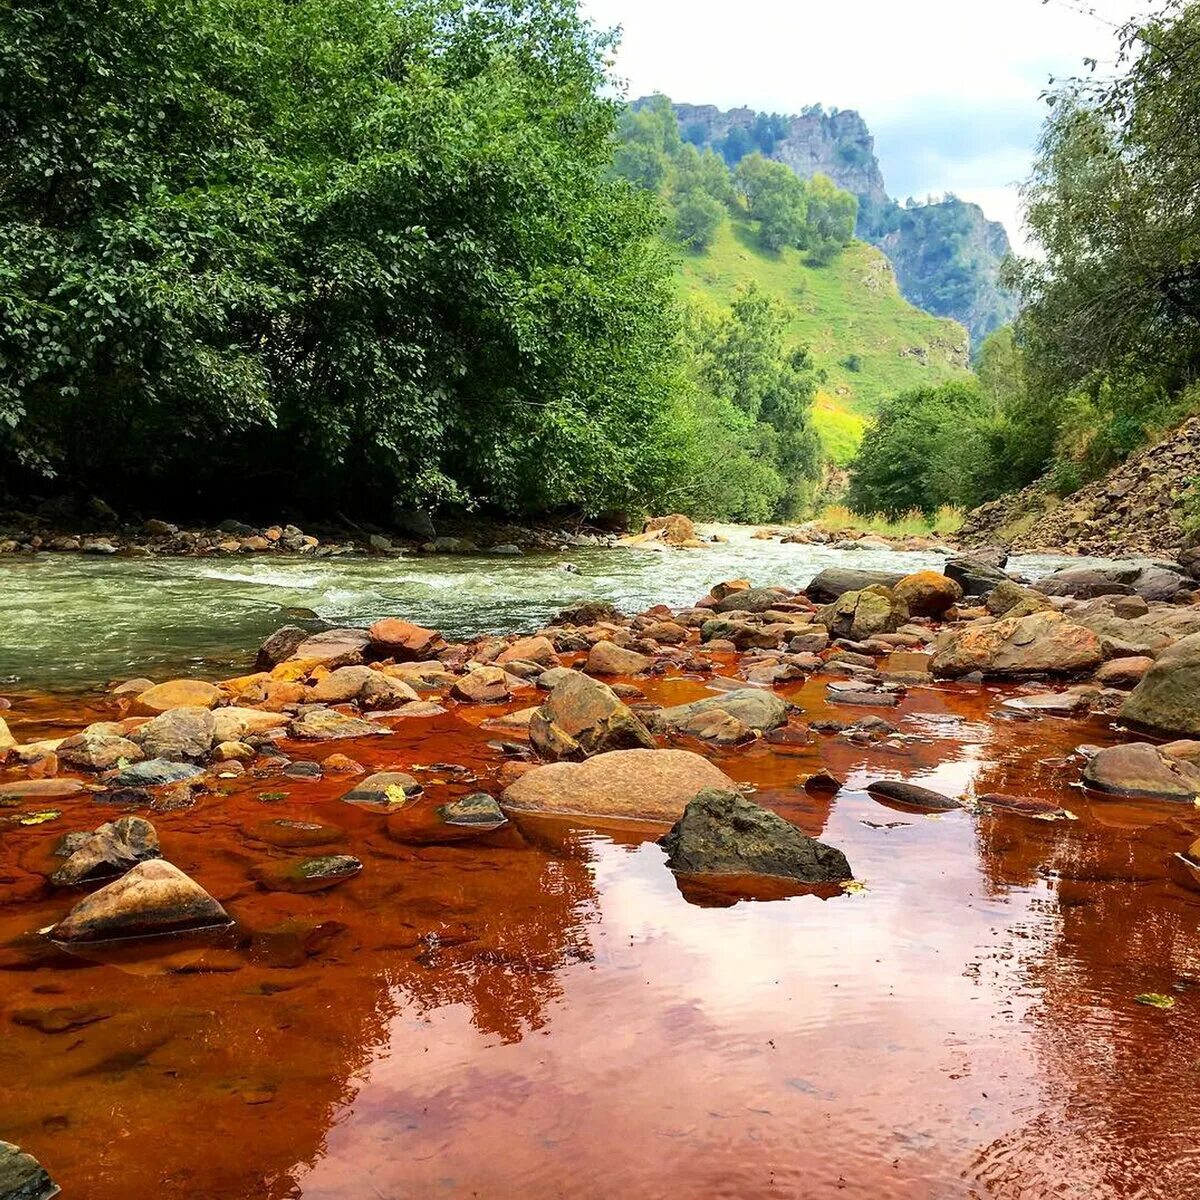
x: 1118, y: 1106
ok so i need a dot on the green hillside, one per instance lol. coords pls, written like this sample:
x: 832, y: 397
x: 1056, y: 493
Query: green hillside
x: 849, y: 312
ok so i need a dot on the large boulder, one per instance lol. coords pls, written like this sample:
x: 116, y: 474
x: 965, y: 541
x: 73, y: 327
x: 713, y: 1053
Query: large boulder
x: 755, y: 600
x: 1011, y: 599
x: 179, y: 735
x: 754, y: 708
x: 674, y: 530
x: 236, y: 724
x: 404, y: 641
x: 327, y: 724
x: 723, y: 833
x: 640, y: 785
x: 861, y: 615
x: 280, y: 646
x: 975, y: 576
x: 1168, y: 698
x: 1086, y: 583
x: 834, y: 581
x: 928, y: 594
x: 1139, y: 769
x: 1042, y: 643
x: 1162, y: 584
x: 151, y: 899
x: 22, y: 1177
x: 582, y: 717
x: 334, y: 647
x: 93, y: 750
x: 1119, y: 636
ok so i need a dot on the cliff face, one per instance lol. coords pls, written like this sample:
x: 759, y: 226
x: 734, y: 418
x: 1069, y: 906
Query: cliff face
x: 837, y: 144
x: 947, y: 254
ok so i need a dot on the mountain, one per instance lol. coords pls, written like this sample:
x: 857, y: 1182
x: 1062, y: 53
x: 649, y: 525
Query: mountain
x: 946, y: 253
x: 866, y: 339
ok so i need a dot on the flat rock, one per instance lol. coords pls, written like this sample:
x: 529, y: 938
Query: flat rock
x: 327, y: 724
x: 308, y: 874
x: 476, y: 811
x: 1042, y: 643
x: 754, y: 709
x: 607, y: 658
x: 644, y: 785
x: 156, y: 772
x: 899, y: 793
x: 40, y: 789
x: 178, y: 693
x: 334, y: 647
x: 178, y: 735
x: 153, y: 898
x: 723, y: 833
x: 384, y: 791
x: 404, y: 641
x: 1139, y: 769
x: 88, y: 751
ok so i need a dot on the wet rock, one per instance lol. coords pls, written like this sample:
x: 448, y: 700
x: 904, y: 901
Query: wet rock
x: 342, y: 685
x: 723, y: 833
x: 1168, y: 697
x: 236, y: 724
x: 280, y: 646
x: 642, y: 785
x: 22, y: 1177
x: 403, y: 641
x: 1024, y: 806
x: 303, y: 771
x: 860, y: 615
x: 928, y: 594
x: 1060, y: 704
x: 327, y: 724
x: 487, y: 685
x: 151, y: 899
x: 607, y: 658
x: 751, y: 600
x: 589, y: 612
x: 582, y: 717
x: 289, y: 834
x: 1162, y: 584
x: 178, y: 735
x: 39, y: 789
x: 975, y: 576
x: 476, y: 811
x: 110, y: 851
x: 88, y: 751
x: 755, y: 709
x: 179, y: 693
x: 1139, y: 769
x: 898, y: 793
x: 1043, y: 643
x: 155, y: 772
x: 1124, y: 672
x: 1011, y: 599
x: 334, y: 647
x: 538, y: 650
x: 7, y: 741
x: 383, y: 792
x: 308, y: 874
x: 834, y: 581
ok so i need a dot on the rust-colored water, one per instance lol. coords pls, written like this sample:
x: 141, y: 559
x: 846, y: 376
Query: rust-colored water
x: 548, y: 1015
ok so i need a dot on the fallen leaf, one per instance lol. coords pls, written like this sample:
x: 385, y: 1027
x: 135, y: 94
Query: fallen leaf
x: 854, y: 887
x: 1155, y: 1000
x: 39, y: 818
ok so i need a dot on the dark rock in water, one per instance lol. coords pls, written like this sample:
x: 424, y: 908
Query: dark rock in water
x: 910, y: 795
x: 383, y: 791
x: 280, y: 646
x: 308, y: 874
x: 156, y: 772
x: 723, y: 833
x: 110, y: 851
x: 588, y: 613
x: 755, y: 708
x: 22, y: 1177
x: 289, y: 834
x: 822, y: 784
x: 1086, y: 583
x: 153, y: 898
x: 414, y: 523
x: 479, y: 810
x: 834, y: 581
x: 1025, y: 806
x: 303, y: 769
x: 95, y: 751
x: 975, y: 576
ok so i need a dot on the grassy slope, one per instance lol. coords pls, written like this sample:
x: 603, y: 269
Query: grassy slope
x: 849, y: 307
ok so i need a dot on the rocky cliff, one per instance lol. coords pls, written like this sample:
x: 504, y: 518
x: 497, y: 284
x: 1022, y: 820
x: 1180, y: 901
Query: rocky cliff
x: 946, y: 253
x: 1137, y: 508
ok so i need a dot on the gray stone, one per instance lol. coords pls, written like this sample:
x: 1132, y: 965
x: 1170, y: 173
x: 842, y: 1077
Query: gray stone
x: 832, y: 582
x: 156, y: 772
x: 756, y: 708
x: 22, y: 1177
x: 178, y: 735
x: 110, y: 851
x: 1168, y: 698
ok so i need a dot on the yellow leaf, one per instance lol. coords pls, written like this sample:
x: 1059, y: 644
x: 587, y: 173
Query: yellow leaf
x: 39, y: 818
x: 854, y: 887
x: 1156, y: 1000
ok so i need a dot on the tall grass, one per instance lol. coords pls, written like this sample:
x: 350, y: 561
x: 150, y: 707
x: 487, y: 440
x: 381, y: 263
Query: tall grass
x: 837, y: 518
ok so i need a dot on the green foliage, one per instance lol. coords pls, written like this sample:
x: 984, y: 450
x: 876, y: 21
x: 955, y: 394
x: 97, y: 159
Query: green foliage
x: 775, y: 197
x: 926, y: 448
x: 829, y: 220
x: 340, y: 251
x: 1111, y: 323
x: 697, y: 218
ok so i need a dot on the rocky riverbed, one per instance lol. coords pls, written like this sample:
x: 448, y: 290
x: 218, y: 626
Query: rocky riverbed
x: 385, y: 806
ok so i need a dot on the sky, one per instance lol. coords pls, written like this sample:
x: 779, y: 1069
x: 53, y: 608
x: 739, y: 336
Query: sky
x: 951, y: 89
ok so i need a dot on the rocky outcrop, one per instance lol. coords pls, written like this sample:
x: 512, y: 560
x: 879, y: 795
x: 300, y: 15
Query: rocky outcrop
x: 723, y: 833
x: 1137, y: 508
x: 640, y: 785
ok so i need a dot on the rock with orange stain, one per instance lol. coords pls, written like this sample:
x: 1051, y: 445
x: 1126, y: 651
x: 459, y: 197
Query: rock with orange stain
x: 538, y: 650
x: 487, y: 685
x: 607, y: 658
x: 178, y: 693
x: 1042, y: 643
x: 928, y: 593
x: 402, y: 640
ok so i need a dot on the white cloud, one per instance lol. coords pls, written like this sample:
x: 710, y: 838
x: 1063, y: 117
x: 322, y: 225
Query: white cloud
x: 950, y: 87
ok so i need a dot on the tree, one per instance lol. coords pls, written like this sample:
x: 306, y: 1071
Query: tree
x: 776, y: 198
x: 338, y: 252
x: 697, y: 218
x: 831, y: 217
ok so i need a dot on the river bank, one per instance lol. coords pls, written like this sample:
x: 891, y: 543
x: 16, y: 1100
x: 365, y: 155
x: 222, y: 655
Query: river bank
x: 435, y: 927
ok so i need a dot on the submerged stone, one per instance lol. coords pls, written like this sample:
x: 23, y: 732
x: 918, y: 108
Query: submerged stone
x: 910, y: 795
x: 383, y: 791
x: 111, y: 850
x: 308, y: 874
x: 156, y: 772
